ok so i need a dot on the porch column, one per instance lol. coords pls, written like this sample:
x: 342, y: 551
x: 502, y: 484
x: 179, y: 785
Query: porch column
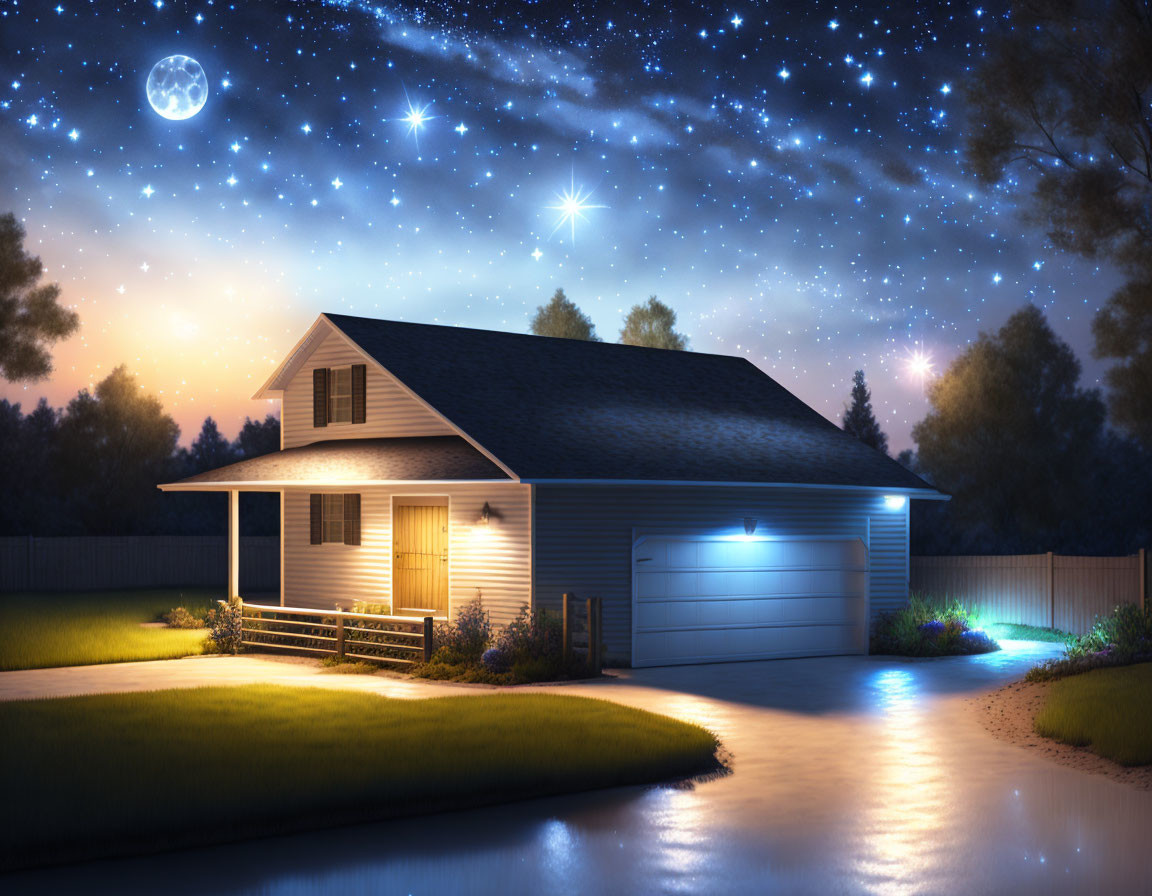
x: 233, y: 543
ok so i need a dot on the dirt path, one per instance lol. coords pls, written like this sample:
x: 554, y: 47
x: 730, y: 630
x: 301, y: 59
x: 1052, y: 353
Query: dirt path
x: 1008, y: 713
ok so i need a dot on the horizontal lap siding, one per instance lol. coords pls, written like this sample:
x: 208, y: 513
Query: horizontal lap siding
x: 390, y: 410
x: 496, y: 561
x: 584, y: 537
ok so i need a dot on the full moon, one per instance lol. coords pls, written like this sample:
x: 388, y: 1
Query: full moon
x: 177, y: 87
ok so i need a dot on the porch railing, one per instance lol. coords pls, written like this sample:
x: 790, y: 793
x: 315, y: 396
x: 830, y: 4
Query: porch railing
x: 405, y: 640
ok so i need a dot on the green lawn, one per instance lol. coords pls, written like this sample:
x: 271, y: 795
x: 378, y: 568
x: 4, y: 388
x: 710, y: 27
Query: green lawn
x: 1013, y: 631
x: 1106, y: 710
x: 75, y: 629
x: 120, y: 773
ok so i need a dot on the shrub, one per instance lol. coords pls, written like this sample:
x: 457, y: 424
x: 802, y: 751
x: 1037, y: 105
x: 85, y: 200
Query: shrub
x: 495, y: 659
x: 1122, y: 637
x: 182, y: 617
x: 224, y: 624
x: 465, y: 638
x: 532, y: 635
x: 930, y: 628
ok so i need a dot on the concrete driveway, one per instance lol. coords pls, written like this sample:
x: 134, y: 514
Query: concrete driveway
x: 850, y: 775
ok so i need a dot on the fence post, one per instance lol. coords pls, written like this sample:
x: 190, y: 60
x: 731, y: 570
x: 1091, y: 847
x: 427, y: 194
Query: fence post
x: 340, y: 631
x: 31, y: 560
x: 1143, y: 579
x: 594, y: 662
x: 427, y: 639
x: 1051, y: 590
x: 567, y: 628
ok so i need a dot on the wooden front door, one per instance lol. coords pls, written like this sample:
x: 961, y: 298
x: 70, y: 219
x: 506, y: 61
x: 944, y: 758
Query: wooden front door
x: 420, y: 560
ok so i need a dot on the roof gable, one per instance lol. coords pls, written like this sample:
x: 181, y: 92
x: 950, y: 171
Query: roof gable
x: 560, y: 409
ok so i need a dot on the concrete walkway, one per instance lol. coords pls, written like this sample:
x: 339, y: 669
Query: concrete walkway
x: 849, y: 775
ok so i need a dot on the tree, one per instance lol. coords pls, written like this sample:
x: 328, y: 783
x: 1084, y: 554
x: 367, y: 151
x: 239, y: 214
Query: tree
x: 651, y: 324
x: 210, y: 449
x: 116, y: 445
x: 259, y: 436
x: 30, y: 318
x: 859, y: 419
x: 1013, y: 438
x: 562, y: 319
x: 1067, y: 93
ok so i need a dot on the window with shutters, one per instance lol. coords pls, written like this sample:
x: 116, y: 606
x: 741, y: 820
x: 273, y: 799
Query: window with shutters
x: 332, y: 519
x: 340, y: 395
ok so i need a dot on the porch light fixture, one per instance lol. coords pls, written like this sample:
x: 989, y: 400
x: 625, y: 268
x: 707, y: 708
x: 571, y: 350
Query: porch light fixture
x: 487, y: 515
x: 750, y: 525
x: 895, y: 502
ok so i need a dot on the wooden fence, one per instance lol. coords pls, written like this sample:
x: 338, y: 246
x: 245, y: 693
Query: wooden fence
x: 1037, y: 589
x: 97, y: 562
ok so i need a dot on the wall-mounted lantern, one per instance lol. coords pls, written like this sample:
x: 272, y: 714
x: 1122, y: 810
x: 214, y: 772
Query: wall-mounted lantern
x: 488, y: 515
x: 750, y: 525
x: 895, y: 502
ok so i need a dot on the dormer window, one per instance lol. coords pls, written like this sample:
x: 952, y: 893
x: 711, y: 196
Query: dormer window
x: 340, y: 395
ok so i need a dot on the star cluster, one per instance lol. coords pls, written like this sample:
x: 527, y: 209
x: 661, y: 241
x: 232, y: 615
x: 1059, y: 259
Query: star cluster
x: 788, y: 177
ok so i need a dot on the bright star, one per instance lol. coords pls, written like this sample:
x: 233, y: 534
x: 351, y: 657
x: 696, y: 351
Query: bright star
x: 337, y: 183
x: 144, y: 267
x: 395, y: 200
x: 225, y: 84
x: 416, y: 118
x: 919, y: 364
x: 996, y: 278
x: 866, y: 80
x: 73, y: 135
x: 1037, y: 265
x: 537, y: 254
x: 737, y: 21
x: 231, y: 180
x: 148, y: 191
x: 784, y: 74
x: 33, y: 120
x: 235, y: 147
x: 573, y: 203
x: 461, y: 129
x: 833, y: 25
x: 306, y: 128
x: 946, y: 89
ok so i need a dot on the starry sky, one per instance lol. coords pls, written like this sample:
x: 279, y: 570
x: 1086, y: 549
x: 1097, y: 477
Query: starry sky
x: 787, y: 176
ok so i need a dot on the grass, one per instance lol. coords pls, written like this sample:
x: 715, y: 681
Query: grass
x: 123, y: 773
x: 77, y: 629
x: 1013, y: 631
x: 1105, y: 710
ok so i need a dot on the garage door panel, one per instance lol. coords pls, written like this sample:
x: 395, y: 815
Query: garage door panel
x: 702, y: 600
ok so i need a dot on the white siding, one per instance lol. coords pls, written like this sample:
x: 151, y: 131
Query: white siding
x: 584, y: 537
x: 496, y: 560
x: 390, y: 411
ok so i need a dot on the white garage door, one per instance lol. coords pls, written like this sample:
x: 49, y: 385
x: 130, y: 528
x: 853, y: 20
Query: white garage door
x: 700, y: 599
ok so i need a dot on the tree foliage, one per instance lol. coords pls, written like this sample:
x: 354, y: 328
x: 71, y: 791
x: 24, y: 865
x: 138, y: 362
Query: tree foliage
x: 30, y: 317
x: 858, y: 417
x: 1066, y: 92
x: 1013, y: 438
x: 562, y: 319
x: 652, y: 324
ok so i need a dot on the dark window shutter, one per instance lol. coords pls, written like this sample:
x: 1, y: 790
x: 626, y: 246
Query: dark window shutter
x: 316, y: 518
x: 320, y: 396
x: 359, y: 392
x: 351, y: 519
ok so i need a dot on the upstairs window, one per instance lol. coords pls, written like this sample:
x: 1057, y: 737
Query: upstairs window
x: 340, y: 395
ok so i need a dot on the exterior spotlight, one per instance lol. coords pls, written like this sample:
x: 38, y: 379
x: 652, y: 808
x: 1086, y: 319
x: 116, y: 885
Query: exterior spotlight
x: 895, y: 502
x: 487, y: 515
x: 749, y: 525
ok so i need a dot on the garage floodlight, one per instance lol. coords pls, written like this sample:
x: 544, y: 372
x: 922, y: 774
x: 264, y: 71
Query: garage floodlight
x: 749, y: 525
x: 895, y: 502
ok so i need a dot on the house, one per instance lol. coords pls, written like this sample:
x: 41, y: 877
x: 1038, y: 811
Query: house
x: 715, y: 514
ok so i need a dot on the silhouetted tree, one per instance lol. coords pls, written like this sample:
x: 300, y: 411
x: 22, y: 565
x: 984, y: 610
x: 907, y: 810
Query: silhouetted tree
x: 210, y: 449
x: 1012, y: 437
x: 30, y: 317
x: 859, y: 419
x: 1066, y: 91
x: 562, y: 319
x: 114, y: 446
x: 258, y: 436
x: 652, y: 324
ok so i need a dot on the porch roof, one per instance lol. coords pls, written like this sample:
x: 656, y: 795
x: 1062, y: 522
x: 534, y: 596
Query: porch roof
x: 351, y: 461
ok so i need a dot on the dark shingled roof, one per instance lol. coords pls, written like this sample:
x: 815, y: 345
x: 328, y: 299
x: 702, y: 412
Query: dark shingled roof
x: 356, y: 460
x: 567, y: 409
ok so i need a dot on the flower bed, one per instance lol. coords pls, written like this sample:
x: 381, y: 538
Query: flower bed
x: 1121, y: 638
x: 930, y: 628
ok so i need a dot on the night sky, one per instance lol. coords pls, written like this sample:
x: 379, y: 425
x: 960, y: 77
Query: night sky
x: 786, y: 176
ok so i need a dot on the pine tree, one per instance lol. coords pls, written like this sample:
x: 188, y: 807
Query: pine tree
x: 859, y: 419
x: 561, y: 318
